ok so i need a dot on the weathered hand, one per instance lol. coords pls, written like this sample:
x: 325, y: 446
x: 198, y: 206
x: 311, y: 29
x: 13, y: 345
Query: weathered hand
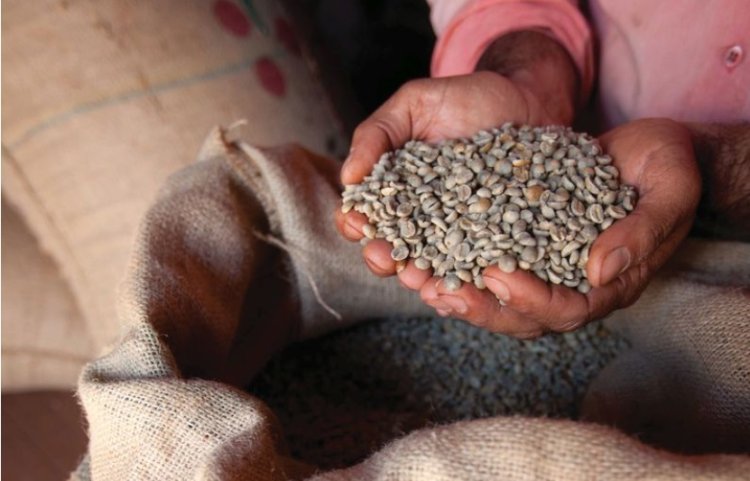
x: 432, y: 109
x: 656, y: 157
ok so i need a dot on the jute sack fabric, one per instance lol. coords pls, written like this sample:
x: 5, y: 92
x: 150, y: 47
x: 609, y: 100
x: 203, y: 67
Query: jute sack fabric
x: 209, y: 297
x: 102, y: 100
x: 685, y: 384
x: 45, y: 342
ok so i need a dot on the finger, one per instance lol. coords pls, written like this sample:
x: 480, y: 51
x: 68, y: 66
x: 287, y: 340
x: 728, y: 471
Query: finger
x: 377, y: 254
x: 429, y: 295
x: 668, y: 185
x: 412, y: 277
x: 350, y: 224
x: 386, y: 129
x: 623, y: 290
x: 555, y: 307
x: 509, y: 322
x: 633, y: 240
x: 480, y: 308
x: 627, y: 288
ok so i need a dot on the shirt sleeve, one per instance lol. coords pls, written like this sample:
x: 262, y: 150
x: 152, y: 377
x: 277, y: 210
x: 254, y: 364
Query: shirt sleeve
x: 465, y: 28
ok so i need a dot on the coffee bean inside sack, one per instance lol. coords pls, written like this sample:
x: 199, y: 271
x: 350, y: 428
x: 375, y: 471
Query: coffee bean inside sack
x: 534, y: 198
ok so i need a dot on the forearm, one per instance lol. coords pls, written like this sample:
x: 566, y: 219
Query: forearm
x: 723, y: 154
x: 537, y: 62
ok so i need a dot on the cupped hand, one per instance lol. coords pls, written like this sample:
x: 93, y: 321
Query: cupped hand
x: 431, y: 110
x: 656, y: 157
x: 653, y: 155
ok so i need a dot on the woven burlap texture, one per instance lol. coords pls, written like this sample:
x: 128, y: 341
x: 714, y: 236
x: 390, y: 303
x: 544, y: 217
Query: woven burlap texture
x: 165, y: 403
x: 103, y: 100
x: 45, y: 343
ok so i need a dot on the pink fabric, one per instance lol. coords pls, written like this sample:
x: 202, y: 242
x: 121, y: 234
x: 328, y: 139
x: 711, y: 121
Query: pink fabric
x: 686, y: 60
x: 476, y: 23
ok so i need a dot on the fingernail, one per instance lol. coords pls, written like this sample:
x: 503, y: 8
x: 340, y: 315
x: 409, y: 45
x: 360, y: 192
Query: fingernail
x: 456, y: 303
x: 353, y: 231
x: 374, y: 266
x: 347, y: 165
x: 442, y: 313
x: 500, y: 289
x: 614, y: 264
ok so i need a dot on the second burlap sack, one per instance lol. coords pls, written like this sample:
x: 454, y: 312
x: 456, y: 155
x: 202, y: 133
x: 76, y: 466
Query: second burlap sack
x: 210, y: 295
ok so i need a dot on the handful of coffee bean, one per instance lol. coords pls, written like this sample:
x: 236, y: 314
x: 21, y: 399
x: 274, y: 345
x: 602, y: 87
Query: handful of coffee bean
x: 524, y: 197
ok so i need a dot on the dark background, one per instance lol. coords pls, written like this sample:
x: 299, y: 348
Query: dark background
x: 365, y: 49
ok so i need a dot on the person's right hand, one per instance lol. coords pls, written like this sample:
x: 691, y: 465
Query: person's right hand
x: 432, y: 110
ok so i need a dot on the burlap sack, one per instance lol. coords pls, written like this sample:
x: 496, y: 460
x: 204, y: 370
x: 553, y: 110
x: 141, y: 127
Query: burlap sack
x: 166, y: 403
x: 686, y: 383
x: 45, y: 342
x: 102, y: 100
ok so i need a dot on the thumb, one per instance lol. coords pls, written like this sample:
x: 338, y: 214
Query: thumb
x: 388, y: 128
x: 669, y: 185
x: 632, y: 240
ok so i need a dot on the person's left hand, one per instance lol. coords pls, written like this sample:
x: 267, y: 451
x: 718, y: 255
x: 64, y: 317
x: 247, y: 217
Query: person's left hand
x: 656, y: 156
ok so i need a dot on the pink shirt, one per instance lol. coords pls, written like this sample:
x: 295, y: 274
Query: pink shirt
x: 683, y: 59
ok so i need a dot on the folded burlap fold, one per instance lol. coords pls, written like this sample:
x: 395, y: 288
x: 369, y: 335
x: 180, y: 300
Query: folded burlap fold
x: 238, y: 256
